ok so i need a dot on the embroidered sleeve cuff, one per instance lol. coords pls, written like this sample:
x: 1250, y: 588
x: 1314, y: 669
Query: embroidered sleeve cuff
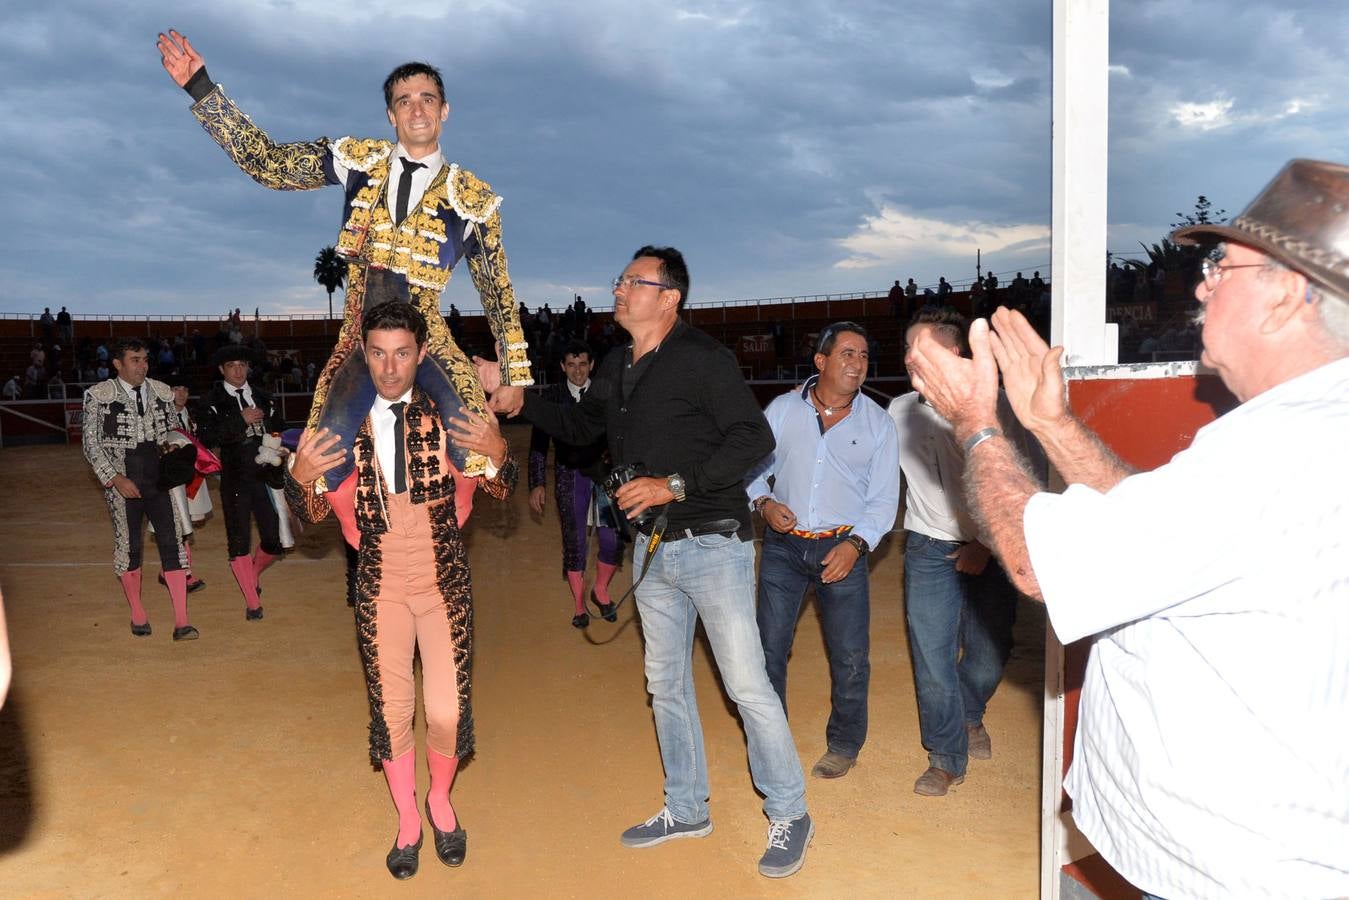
x: 500, y: 483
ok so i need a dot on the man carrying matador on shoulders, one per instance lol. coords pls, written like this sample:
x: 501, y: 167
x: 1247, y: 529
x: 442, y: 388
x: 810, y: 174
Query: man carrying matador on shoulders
x: 408, y: 217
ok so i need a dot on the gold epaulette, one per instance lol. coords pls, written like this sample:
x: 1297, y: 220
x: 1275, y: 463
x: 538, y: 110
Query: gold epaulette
x: 471, y: 197
x: 360, y: 154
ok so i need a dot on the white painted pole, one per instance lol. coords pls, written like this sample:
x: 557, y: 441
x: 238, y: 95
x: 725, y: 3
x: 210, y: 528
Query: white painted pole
x: 1080, y: 126
x: 1078, y: 304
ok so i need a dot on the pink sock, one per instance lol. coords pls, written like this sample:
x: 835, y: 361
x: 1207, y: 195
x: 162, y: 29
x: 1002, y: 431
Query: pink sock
x: 442, y: 779
x: 177, y: 582
x: 577, y: 580
x: 242, y: 567
x: 603, y: 576
x: 401, y: 773
x: 131, y: 586
x: 261, y: 560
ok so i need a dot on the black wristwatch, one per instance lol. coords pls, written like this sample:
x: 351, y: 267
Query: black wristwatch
x: 860, y: 543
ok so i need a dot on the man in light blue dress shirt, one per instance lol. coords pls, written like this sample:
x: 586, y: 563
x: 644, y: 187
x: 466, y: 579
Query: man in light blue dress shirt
x: 834, y: 495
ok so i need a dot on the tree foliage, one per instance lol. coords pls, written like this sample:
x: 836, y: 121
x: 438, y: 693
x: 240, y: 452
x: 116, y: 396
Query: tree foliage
x: 330, y: 270
x: 1203, y: 214
x: 1173, y: 257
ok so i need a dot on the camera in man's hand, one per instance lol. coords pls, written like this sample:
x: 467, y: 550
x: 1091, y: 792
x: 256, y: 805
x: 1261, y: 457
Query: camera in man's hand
x: 621, y: 475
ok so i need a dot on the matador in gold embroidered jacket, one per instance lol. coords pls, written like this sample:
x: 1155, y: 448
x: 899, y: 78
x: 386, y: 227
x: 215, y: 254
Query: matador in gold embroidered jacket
x: 456, y: 216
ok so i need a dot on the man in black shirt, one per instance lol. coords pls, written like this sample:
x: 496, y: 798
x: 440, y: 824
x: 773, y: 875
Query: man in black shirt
x: 674, y: 402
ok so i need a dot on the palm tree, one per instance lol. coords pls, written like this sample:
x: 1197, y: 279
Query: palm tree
x: 330, y: 270
x: 1173, y: 257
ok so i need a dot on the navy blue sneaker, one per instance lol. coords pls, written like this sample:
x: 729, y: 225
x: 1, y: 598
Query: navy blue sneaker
x: 664, y: 827
x: 787, y: 842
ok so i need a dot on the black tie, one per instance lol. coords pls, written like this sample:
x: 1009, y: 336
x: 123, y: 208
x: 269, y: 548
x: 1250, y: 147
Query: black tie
x: 405, y: 188
x: 399, y: 448
x: 239, y: 395
x: 140, y: 404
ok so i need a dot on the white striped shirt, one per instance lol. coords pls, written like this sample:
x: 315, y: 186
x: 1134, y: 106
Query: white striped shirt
x: 1212, y: 752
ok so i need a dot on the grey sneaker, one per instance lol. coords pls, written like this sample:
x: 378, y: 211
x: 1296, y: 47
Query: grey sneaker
x: 787, y: 842
x: 664, y: 827
x: 981, y: 745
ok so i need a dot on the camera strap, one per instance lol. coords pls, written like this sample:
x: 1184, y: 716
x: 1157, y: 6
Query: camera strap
x: 652, y: 545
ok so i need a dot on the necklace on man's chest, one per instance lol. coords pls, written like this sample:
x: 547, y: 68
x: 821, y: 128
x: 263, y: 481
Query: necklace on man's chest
x: 831, y: 410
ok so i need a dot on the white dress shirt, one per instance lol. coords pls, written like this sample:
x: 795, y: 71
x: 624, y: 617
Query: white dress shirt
x: 1212, y: 752
x: 246, y: 391
x: 381, y: 429
x: 144, y: 431
x: 421, y: 178
x: 255, y: 429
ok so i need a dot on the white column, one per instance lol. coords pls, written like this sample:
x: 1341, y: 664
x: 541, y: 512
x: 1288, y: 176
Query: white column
x: 1080, y: 158
x: 1080, y: 125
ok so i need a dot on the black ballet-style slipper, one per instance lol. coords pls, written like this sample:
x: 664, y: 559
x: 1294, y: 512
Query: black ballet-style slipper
x: 140, y: 630
x: 606, y: 609
x: 451, y: 846
x: 402, y: 861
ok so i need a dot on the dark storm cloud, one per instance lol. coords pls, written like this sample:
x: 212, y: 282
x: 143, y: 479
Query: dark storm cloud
x: 787, y: 148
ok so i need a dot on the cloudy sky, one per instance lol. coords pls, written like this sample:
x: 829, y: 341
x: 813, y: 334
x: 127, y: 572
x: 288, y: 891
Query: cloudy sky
x: 788, y: 148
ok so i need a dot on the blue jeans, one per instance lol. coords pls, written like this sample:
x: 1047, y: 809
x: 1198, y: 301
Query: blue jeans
x: 960, y: 635
x: 712, y: 578
x: 789, y: 566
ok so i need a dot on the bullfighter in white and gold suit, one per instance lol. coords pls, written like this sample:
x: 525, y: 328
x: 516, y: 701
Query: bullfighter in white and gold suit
x: 126, y: 421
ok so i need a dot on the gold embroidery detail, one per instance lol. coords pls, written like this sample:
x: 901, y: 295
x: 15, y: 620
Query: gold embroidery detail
x: 361, y: 154
x: 281, y: 167
x: 488, y: 267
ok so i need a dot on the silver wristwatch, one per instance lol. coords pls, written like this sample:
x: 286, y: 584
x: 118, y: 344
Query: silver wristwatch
x: 676, y: 485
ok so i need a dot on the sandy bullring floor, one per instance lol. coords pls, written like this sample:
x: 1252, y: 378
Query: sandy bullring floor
x: 236, y: 766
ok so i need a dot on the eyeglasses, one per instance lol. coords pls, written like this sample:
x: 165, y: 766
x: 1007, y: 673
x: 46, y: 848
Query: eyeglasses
x: 1213, y: 272
x: 628, y: 282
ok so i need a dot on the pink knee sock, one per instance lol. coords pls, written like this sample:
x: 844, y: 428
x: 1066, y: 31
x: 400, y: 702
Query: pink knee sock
x: 401, y: 773
x: 187, y: 552
x: 261, y: 560
x: 131, y: 586
x: 602, y: 579
x: 577, y: 580
x: 242, y: 567
x: 442, y: 779
x: 177, y: 582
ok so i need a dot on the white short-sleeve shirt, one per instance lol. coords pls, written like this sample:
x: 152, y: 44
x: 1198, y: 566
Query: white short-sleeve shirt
x: 1212, y: 751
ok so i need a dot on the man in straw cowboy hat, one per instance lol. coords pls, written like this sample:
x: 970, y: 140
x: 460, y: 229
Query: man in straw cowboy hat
x: 1212, y: 753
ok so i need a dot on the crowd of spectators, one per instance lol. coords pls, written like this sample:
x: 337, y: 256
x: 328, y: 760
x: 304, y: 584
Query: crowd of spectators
x: 550, y: 332
x: 1153, y: 324
x: 60, y: 367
